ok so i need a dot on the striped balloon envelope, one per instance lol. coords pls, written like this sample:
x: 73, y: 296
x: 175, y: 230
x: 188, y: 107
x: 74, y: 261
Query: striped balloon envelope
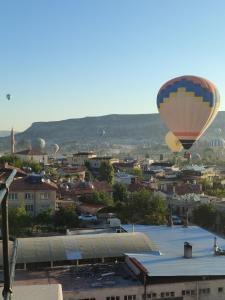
x: 188, y: 105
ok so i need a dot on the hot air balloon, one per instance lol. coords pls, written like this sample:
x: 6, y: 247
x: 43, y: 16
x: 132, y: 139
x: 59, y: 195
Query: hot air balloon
x: 172, y: 142
x: 218, y: 131
x: 188, y: 105
x: 8, y: 97
x: 55, y: 148
x: 39, y: 144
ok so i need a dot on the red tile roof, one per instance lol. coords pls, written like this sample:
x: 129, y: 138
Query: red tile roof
x: 22, y: 185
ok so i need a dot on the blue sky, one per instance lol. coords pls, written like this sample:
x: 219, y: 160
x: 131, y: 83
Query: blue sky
x: 75, y: 58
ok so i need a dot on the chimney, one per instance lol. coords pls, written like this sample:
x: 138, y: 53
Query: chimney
x: 187, y: 250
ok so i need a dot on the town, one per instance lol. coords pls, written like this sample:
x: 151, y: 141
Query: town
x: 90, y: 222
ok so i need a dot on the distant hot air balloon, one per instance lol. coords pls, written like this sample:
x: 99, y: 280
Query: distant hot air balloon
x: 173, y: 143
x: 39, y: 144
x: 218, y: 131
x: 55, y: 148
x: 8, y: 97
x: 188, y: 105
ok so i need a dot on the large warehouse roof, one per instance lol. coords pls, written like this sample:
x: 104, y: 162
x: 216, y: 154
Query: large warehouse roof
x: 170, y: 241
x: 72, y: 247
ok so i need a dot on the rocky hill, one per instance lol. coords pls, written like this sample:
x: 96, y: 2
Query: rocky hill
x: 113, y: 129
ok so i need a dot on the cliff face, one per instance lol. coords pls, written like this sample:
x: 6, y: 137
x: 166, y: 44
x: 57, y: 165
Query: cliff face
x: 113, y: 129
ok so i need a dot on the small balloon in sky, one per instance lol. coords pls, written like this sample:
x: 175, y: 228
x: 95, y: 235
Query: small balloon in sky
x: 8, y: 97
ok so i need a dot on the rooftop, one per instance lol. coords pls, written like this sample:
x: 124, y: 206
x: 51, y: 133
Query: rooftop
x: 30, y: 152
x: 170, y: 242
x: 80, y: 277
x: 32, y: 182
x: 76, y: 247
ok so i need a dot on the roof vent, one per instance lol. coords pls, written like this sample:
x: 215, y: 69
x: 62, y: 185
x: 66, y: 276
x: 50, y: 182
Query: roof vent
x: 187, y: 250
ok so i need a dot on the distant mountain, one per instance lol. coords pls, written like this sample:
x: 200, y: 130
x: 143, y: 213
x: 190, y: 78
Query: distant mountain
x: 4, y: 133
x: 111, y: 129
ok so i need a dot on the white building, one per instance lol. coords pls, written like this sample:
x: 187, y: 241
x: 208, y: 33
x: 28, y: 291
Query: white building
x: 33, y: 155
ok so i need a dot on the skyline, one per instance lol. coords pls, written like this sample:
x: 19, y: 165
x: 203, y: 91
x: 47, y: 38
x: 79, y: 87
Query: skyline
x: 87, y: 58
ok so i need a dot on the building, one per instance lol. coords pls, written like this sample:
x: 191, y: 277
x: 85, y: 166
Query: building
x: 75, y: 190
x: 72, y: 173
x: 34, y: 192
x: 80, y: 158
x: 33, y: 155
x: 146, y: 262
x: 95, y: 162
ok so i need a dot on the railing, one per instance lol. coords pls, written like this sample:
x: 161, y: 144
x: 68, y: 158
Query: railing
x: 8, y: 268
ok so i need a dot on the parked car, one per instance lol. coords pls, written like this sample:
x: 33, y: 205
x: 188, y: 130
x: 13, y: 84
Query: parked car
x: 176, y: 220
x: 87, y: 218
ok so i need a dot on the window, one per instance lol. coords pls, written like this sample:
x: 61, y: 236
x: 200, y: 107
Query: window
x: 172, y: 294
x: 162, y: 295
x: 28, y: 196
x: 204, y: 291
x: 112, y: 298
x: 12, y: 196
x: 220, y: 289
x: 130, y: 297
x: 29, y: 207
x: 154, y: 295
x: 44, y: 196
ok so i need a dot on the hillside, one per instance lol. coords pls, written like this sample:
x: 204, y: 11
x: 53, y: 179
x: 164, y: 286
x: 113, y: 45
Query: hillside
x: 113, y: 129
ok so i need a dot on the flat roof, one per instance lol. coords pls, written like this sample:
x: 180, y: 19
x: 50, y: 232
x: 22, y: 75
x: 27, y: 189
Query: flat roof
x: 78, y: 278
x: 170, y: 242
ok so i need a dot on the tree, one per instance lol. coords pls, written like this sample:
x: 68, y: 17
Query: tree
x: 143, y: 207
x: 204, y: 215
x: 19, y: 220
x: 137, y: 172
x: 65, y: 217
x: 97, y: 198
x: 106, y: 172
x: 44, y: 218
x: 119, y: 192
x: 18, y: 163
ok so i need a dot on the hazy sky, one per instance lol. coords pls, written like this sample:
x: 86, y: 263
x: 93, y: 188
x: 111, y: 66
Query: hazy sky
x: 63, y: 59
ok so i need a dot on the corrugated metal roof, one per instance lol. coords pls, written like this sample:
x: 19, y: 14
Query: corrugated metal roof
x: 59, y: 248
x: 170, y: 241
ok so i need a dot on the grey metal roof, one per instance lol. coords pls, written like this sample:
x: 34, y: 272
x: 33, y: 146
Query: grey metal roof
x: 170, y: 242
x: 72, y: 247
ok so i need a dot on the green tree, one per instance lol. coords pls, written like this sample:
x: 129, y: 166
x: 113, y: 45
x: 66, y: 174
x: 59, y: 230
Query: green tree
x: 18, y: 163
x: 65, y: 217
x: 106, y: 172
x: 19, y: 220
x: 97, y: 198
x: 143, y: 207
x: 204, y: 215
x: 44, y: 218
x: 119, y: 192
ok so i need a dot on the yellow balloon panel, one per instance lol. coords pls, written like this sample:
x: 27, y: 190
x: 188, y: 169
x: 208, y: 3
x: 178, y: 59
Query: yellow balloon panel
x: 173, y: 143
